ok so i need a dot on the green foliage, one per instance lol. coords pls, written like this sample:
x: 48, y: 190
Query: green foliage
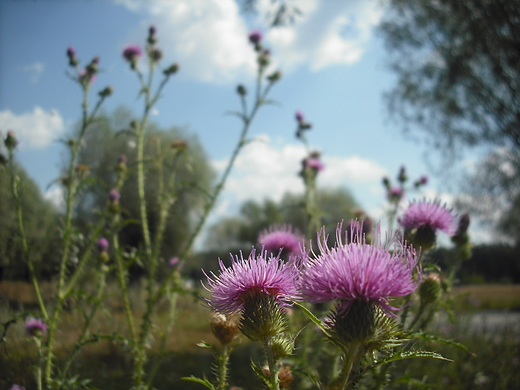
x: 41, y: 228
x: 241, y: 233
x: 457, y: 67
x: 458, y: 70
x: 186, y: 175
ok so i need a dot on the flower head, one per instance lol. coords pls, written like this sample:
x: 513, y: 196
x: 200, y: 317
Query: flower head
x: 173, y: 262
x: 114, y: 196
x: 395, y: 194
x: 278, y: 238
x: 35, y: 327
x: 314, y: 163
x: 102, y: 244
x: 132, y: 53
x: 255, y: 37
x: 358, y: 271
x: 248, y: 278
x: 299, y: 117
x: 429, y: 215
x: 17, y: 387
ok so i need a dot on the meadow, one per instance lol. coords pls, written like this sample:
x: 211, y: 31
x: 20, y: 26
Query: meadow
x: 491, y: 363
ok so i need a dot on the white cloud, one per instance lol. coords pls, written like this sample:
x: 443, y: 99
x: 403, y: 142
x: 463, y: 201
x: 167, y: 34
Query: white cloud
x: 264, y: 171
x: 56, y: 197
x: 328, y: 33
x: 209, y: 38
x: 36, y: 129
x: 35, y: 69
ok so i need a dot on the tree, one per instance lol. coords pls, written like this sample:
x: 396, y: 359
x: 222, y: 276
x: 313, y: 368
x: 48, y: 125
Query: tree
x: 186, y: 174
x: 240, y: 233
x: 458, y: 69
x: 40, y: 220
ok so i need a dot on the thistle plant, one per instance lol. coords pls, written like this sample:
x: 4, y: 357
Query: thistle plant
x: 395, y: 193
x: 359, y: 303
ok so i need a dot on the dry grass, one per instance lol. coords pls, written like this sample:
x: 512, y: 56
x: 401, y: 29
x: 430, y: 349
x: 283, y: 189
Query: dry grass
x: 490, y: 296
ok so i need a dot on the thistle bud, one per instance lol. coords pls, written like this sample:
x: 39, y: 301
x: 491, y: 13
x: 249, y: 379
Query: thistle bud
x: 93, y: 68
x: 386, y: 182
x: 241, y: 90
x: 421, y: 181
x: 10, y: 141
x: 264, y: 58
x: 82, y: 170
x: 262, y: 316
x: 131, y: 54
x: 423, y: 236
x: 121, y: 164
x: 35, y: 327
x: 274, y: 77
x: 71, y: 54
x: 152, y: 38
x: 223, y: 328
x: 282, y: 345
x: 156, y: 55
x: 430, y: 289
x: 102, y: 246
x: 174, y: 68
x: 356, y: 322
x: 255, y: 37
x: 402, y: 177
x: 106, y: 92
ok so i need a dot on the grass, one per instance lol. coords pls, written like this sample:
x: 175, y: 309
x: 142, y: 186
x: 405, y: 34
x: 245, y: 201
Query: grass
x: 489, y: 296
x: 494, y: 363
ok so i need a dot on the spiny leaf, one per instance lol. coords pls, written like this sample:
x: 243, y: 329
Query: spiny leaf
x: 439, y: 339
x: 401, y: 355
x: 203, y: 382
x: 313, y: 318
x: 260, y: 374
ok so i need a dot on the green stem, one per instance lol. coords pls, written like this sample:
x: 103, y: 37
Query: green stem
x: 21, y: 228
x: 222, y: 367
x: 274, y: 381
x: 67, y: 235
x: 169, y: 324
x: 352, y: 357
x: 88, y: 320
x: 121, y: 278
x: 417, y: 316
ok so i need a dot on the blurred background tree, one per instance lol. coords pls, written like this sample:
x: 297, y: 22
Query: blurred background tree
x: 240, y: 233
x: 458, y: 79
x: 185, y: 169
x: 41, y: 221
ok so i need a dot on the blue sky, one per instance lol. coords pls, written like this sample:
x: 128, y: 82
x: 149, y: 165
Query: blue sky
x: 333, y: 67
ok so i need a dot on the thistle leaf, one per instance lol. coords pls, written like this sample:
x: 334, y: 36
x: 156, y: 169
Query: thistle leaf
x: 203, y: 382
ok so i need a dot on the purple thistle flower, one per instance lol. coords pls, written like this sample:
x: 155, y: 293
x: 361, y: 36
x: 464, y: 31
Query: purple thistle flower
x: 102, y: 244
x: 268, y: 276
x: 17, y: 387
x: 131, y: 53
x: 314, y: 164
x: 71, y: 52
x: 359, y: 271
x: 278, y: 238
x: 423, y: 180
x: 255, y: 37
x: 299, y: 117
x: 426, y: 214
x: 35, y: 327
x: 114, y: 196
x: 174, y: 261
x: 395, y: 194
